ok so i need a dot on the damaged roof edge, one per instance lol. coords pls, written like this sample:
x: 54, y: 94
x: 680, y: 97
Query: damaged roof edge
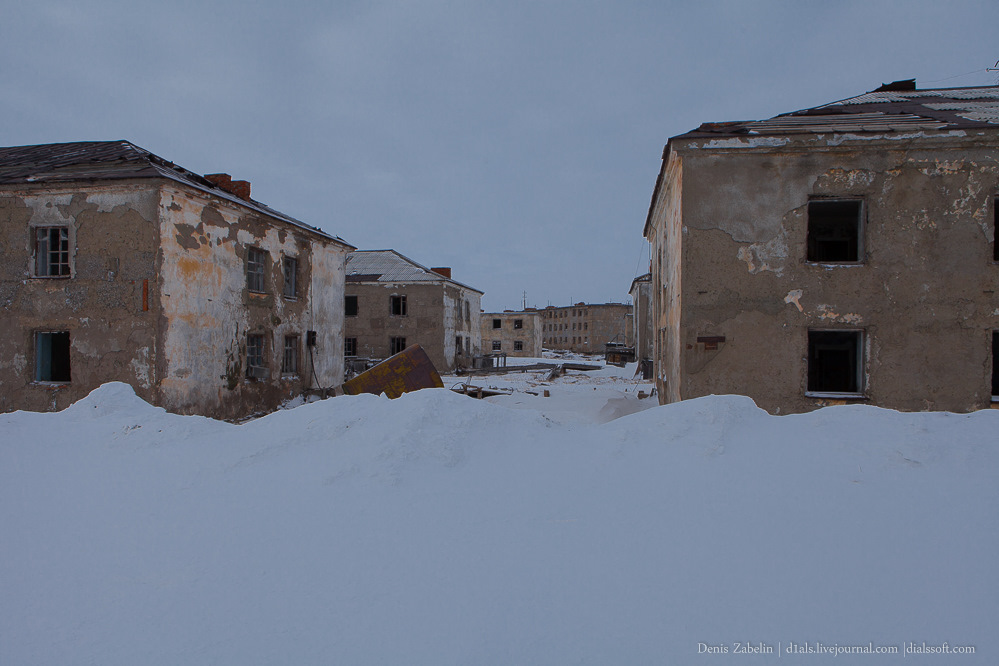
x: 437, y: 277
x: 119, y: 160
x: 655, y: 191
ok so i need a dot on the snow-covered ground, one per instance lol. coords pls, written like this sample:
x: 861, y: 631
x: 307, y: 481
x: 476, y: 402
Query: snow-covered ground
x: 440, y: 529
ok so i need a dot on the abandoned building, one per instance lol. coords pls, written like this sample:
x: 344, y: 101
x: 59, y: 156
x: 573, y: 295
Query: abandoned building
x: 641, y: 303
x: 392, y: 302
x: 512, y: 333
x: 117, y: 265
x: 586, y: 328
x: 843, y: 253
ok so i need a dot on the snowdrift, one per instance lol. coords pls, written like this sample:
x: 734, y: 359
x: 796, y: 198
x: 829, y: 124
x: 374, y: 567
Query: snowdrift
x: 437, y: 529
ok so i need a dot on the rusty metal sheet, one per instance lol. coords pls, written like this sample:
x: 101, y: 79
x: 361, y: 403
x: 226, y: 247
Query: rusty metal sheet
x: 409, y: 370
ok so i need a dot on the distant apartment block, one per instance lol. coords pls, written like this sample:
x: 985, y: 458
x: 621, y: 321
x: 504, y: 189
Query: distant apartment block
x: 586, y: 328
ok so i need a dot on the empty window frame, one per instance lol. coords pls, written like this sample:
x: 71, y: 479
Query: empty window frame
x: 396, y: 345
x: 995, y: 366
x: 836, y: 363
x: 256, y: 365
x: 457, y: 344
x: 497, y: 345
x: 835, y: 230
x: 995, y: 233
x: 256, y: 266
x: 51, y: 252
x: 518, y: 323
x: 518, y: 345
x: 289, y: 267
x: 289, y: 361
x: 397, y: 306
x: 52, y: 356
x: 497, y: 323
x: 350, y: 346
x: 350, y: 306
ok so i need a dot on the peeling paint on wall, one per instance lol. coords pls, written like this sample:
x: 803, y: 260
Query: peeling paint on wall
x: 794, y: 297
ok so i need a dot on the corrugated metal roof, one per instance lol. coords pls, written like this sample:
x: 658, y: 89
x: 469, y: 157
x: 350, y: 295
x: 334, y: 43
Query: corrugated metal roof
x: 390, y: 266
x: 115, y: 160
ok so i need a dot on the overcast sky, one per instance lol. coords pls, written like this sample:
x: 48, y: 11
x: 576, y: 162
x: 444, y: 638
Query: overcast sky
x: 517, y: 142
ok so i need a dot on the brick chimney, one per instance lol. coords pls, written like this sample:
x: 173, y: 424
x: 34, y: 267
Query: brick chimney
x: 241, y: 188
x: 443, y: 270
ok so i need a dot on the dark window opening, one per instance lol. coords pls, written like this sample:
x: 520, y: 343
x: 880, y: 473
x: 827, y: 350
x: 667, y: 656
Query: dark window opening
x: 518, y: 345
x: 397, y: 306
x: 290, y: 266
x: 497, y: 323
x: 457, y: 344
x: 834, y: 231
x: 256, y: 264
x: 52, y: 356
x: 995, y: 233
x: 256, y: 367
x: 995, y: 365
x: 350, y: 306
x: 350, y: 346
x: 835, y: 362
x: 51, y: 252
x: 289, y: 362
x: 518, y: 323
x: 396, y: 345
x: 497, y: 345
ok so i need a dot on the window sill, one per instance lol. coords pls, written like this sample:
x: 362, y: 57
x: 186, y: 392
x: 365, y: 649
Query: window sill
x: 835, y: 264
x: 39, y: 382
x: 290, y: 298
x: 835, y: 396
x: 51, y: 277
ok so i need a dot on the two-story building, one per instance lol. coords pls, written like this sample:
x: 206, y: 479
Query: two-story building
x: 843, y: 253
x: 512, y: 333
x: 393, y: 302
x: 118, y: 265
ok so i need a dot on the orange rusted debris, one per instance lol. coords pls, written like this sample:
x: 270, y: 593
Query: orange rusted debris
x: 409, y: 370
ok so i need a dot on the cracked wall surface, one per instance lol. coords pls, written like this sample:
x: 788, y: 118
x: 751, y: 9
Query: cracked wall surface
x: 732, y: 221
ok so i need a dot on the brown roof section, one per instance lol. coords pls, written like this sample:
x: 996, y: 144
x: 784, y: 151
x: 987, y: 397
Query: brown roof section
x: 116, y: 160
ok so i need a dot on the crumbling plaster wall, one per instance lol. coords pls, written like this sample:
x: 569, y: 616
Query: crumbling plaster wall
x: 208, y: 310
x: 374, y: 325
x: 456, y: 323
x: 108, y: 303
x: 924, y: 294
x: 665, y: 235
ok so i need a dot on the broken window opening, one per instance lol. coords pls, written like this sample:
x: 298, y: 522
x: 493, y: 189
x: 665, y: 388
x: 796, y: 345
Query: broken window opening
x: 518, y: 345
x: 350, y: 346
x: 256, y: 366
x: 497, y: 345
x: 290, y: 266
x: 397, y: 306
x: 834, y: 231
x: 457, y: 344
x: 995, y: 366
x: 835, y: 363
x: 350, y: 306
x: 256, y: 264
x: 52, y: 252
x: 995, y: 231
x: 518, y: 323
x: 289, y: 362
x: 497, y: 323
x: 52, y: 356
x: 396, y: 345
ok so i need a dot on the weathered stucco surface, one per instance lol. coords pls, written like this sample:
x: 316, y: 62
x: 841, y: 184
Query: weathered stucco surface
x: 924, y: 293
x: 157, y: 298
x: 435, y: 316
x: 208, y: 310
x: 108, y: 303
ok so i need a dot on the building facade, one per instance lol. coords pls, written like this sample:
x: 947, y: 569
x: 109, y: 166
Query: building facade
x: 844, y: 253
x: 512, y: 333
x: 117, y: 265
x: 641, y: 302
x: 586, y: 328
x: 392, y: 302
